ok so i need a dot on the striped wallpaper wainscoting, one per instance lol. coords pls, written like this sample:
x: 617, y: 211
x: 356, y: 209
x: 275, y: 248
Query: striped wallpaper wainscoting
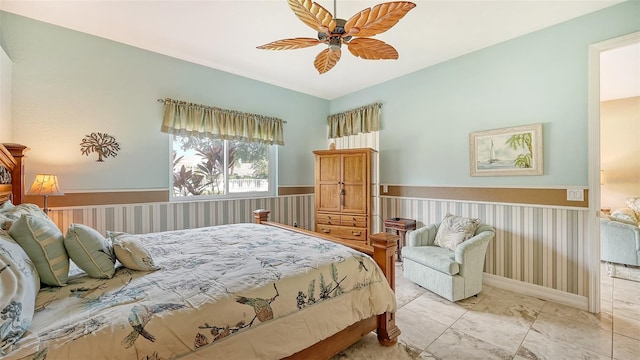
x: 154, y: 217
x: 535, y: 244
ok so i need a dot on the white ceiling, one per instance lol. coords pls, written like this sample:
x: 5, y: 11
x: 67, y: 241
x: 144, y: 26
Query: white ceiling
x: 223, y: 34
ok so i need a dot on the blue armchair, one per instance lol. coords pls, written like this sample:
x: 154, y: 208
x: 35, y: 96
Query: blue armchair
x: 454, y: 275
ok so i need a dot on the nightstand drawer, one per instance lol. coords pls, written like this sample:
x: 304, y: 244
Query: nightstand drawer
x: 353, y: 220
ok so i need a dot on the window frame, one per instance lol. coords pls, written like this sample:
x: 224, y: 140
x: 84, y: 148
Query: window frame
x: 272, y: 178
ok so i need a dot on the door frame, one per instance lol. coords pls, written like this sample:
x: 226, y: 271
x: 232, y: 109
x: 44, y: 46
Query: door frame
x: 594, y: 161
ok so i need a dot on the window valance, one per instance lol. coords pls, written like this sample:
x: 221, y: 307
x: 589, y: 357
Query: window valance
x: 361, y: 120
x: 188, y: 119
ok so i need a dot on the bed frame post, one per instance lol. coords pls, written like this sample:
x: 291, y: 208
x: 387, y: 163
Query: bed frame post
x: 384, y: 250
x: 261, y: 215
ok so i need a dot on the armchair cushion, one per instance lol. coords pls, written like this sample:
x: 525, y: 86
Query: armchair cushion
x: 434, y: 257
x: 454, y: 230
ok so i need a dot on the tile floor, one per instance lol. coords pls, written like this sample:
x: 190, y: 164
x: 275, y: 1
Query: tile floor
x: 500, y: 324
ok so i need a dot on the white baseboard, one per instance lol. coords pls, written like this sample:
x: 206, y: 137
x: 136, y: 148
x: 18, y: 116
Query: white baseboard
x: 541, y: 292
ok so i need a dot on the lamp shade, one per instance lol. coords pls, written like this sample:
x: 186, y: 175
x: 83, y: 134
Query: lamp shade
x: 45, y: 184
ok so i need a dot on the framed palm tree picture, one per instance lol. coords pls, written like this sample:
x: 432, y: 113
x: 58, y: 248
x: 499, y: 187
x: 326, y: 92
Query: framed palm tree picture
x: 506, y: 152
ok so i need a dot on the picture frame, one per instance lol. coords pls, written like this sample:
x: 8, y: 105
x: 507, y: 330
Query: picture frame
x: 514, y: 151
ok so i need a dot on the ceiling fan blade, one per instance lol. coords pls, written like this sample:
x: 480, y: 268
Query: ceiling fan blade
x: 314, y: 15
x: 382, y: 17
x: 372, y: 49
x: 326, y: 60
x: 289, y: 44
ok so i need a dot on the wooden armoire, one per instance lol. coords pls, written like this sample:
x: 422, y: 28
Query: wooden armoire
x: 343, y: 193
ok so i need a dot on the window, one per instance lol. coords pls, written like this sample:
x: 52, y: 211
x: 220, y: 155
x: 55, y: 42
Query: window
x: 204, y: 167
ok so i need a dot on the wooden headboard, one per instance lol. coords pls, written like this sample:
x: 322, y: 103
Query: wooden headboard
x: 11, y: 156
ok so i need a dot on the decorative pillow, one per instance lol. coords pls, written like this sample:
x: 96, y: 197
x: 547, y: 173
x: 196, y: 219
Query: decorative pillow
x: 619, y: 220
x: 19, y: 284
x: 11, y: 214
x: 130, y: 252
x: 6, y: 206
x: 44, y: 243
x: 633, y: 202
x: 90, y: 251
x: 625, y: 214
x: 454, y: 230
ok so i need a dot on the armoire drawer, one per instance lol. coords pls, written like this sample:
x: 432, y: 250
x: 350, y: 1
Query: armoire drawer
x: 343, y: 232
x: 353, y: 220
x: 328, y: 219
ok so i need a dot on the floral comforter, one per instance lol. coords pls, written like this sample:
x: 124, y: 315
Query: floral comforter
x: 232, y: 291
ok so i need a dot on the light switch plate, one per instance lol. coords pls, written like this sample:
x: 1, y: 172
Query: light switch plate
x: 385, y: 188
x: 575, y: 194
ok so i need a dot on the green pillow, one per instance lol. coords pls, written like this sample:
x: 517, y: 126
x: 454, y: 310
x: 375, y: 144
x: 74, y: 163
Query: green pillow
x: 90, y: 251
x: 44, y: 243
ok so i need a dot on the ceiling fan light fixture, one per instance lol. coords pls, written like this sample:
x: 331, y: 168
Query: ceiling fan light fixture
x: 335, y: 43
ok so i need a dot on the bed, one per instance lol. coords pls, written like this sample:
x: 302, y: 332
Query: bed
x: 261, y: 290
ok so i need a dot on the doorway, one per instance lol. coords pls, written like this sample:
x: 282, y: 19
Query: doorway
x: 594, y: 173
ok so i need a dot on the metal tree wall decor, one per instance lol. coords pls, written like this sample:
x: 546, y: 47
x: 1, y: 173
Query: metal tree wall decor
x: 102, y: 143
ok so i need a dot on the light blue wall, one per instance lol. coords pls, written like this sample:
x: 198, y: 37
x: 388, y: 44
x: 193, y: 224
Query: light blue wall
x: 538, y: 78
x: 67, y: 84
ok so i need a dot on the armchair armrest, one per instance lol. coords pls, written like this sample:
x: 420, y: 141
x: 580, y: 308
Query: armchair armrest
x: 619, y: 242
x: 471, y: 253
x: 424, y: 236
x: 615, y: 230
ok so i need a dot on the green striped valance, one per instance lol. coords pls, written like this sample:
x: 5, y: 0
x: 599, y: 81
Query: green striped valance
x: 188, y: 119
x: 364, y: 119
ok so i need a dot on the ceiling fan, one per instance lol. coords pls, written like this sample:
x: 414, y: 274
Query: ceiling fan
x: 354, y: 33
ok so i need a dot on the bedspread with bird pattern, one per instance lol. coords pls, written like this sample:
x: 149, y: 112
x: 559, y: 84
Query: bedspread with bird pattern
x: 230, y: 291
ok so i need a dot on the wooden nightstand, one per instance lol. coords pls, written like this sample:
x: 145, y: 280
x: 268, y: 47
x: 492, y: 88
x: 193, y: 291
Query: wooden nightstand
x: 400, y: 227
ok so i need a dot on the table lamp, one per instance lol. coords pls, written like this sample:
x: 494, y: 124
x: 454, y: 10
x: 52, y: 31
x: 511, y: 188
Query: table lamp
x: 45, y: 185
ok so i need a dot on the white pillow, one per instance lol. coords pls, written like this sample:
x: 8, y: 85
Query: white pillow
x: 454, y: 230
x: 9, y: 214
x: 19, y: 285
x: 6, y: 206
x: 130, y: 252
x: 625, y: 214
x: 633, y: 202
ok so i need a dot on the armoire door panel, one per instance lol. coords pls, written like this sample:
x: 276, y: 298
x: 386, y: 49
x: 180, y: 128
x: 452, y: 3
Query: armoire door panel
x: 355, y: 199
x: 354, y: 168
x: 328, y: 197
x: 328, y: 169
